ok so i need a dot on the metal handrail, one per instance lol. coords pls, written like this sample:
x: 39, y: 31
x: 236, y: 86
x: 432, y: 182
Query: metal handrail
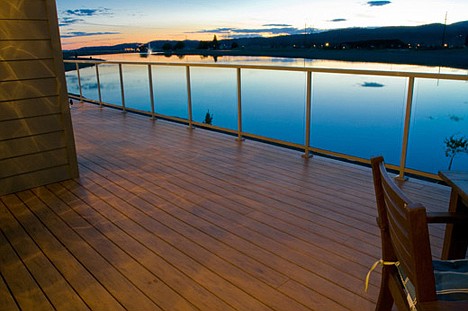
x: 443, y: 76
x: 402, y: 169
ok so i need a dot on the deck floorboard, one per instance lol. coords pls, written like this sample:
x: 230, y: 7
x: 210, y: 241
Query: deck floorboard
x: 168, y: 218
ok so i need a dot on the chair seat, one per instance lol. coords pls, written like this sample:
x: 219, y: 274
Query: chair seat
x: 451, y: 278
x: 451, y: 281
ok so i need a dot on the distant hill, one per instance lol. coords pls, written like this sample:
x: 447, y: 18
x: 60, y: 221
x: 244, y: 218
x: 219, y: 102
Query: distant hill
x: 94, y: 50
x: 430, y: 35
x: 427, y: 36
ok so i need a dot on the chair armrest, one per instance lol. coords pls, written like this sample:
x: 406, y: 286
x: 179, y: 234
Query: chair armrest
x: 447, y: 217
x: 441, y: 305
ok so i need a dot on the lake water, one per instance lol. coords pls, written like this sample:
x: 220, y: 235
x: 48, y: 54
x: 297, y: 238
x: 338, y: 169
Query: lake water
x: 358, y: 115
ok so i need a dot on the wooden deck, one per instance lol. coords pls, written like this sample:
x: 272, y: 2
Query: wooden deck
x: 167, y: 218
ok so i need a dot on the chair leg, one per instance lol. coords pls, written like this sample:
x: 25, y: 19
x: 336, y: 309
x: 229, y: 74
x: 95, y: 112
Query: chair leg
x: 385, y: 300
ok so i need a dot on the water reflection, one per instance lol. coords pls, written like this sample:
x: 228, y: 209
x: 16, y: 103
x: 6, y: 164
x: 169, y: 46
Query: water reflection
x: 356, y: 120
x: 440, y: 110
x: 357, y: 115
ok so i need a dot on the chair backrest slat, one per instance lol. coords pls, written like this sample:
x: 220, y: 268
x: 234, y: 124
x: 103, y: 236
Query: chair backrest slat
x: 404, y: 231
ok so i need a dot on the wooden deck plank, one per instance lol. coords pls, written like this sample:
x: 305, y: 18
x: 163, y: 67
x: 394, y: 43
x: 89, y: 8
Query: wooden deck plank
x: 146, y: 252
x: 107, y: 262
x: 180, y: 174
x: 113, y: 169
x: 88, y: 288
x: 337, y: 247
x: 120, y: 287
x: 6, y: 298
x: 51, y: 280
x: 168, y: 218
x: 211, y: 261
x: 18, y: 253
x: 268, y: 231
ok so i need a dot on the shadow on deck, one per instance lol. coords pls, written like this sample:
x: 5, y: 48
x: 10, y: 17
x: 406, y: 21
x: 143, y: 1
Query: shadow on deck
x: 167, y: 218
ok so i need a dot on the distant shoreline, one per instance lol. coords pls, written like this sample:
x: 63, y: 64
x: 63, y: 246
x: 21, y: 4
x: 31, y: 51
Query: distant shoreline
x: 454, y: 58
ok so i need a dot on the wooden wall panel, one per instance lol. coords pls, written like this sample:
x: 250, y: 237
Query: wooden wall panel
x: 20, y: 70
x: 34, y: 179
x: 30, y: 126
x: 18, y: 50
x: 18, y: 90
x: 36, y: 136
x: 32, y: 144
x: 27, y: 108
x: 24, y: 30
x: 22, y: 9
x: 32, y: 162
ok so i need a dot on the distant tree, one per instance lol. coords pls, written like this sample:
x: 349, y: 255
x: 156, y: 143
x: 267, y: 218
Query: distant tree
x: 179, y: 45
x: 167, y: 47
x: 455, y: 145
x: 203, y: 45
x: 215, y: 43
x: 234, y: 45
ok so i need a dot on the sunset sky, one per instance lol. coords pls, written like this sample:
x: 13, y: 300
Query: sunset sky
x: 109, y: 22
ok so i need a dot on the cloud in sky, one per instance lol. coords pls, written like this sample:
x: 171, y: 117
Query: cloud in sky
x: 269, y: 29
x: 88, y: 12
x: 67, y: 21
x: 274, y: 30
x: 75, y: 16
x: 378, y: 3
x: 337, y: 20
x: 217, y: 30
x: 276, y: 25
x: 75, y: 34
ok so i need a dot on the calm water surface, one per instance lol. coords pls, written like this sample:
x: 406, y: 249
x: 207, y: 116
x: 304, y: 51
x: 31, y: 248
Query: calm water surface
x: 358, y: 115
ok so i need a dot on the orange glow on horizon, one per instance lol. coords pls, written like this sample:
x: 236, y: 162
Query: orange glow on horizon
x: 110, y: 40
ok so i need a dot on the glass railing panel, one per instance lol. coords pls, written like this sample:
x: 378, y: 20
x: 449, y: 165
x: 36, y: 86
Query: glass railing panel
x: 88, y: 83
x: 215, y: 90
x: 109, y: 79
x: 170, y: 91
x: 136, y: 86
x: 273, y: 104
x: 73, y: 86
x: 440, y: 110
x: 358, y: 115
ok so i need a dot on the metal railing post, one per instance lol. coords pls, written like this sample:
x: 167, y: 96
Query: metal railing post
x: 150, y: 79
x: 239, y: 106
x: 189, y: 97
x: 404, y: 147
x: 98, y: 85
x: 308, y: 112
x: 122, y: 87
x: 79, y: 81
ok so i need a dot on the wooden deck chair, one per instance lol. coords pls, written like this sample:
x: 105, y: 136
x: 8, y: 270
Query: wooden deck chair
x: 410, y: 278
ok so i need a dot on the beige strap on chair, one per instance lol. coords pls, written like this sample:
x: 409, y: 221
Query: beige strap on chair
x: 378, y: 262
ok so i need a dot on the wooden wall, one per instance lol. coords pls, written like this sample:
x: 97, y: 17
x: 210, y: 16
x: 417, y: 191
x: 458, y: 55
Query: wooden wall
x: 36, y: 137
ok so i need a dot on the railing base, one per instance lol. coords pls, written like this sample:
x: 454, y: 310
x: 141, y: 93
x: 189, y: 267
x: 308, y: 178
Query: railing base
x: 401, y: 178
x: 307, y: 155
